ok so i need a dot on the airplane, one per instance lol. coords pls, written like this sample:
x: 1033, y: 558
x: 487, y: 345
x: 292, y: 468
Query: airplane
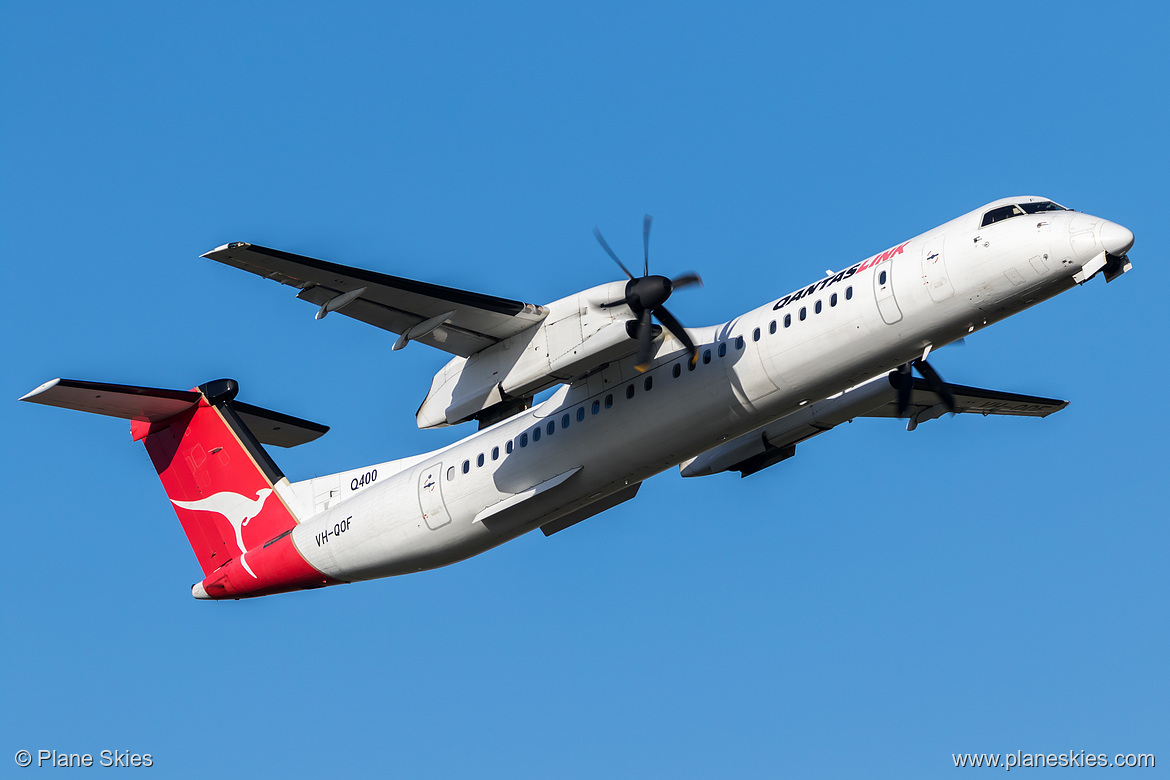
x: 631, y: 398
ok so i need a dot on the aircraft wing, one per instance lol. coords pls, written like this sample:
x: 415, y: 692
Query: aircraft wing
x: 455, y: 321
x: 926, y: 405
x: 776, y: 441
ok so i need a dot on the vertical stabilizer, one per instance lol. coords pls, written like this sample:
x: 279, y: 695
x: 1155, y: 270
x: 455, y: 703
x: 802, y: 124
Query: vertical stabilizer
x: 222, y: 484
x: 218, y: 477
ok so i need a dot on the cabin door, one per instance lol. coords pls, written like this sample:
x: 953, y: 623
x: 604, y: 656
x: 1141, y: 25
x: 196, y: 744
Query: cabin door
x: 934, y: 271
x: 430, y: 496
x: 883, y: 289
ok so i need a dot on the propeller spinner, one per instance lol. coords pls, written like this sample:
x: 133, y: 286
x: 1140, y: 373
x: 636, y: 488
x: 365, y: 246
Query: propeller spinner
x: 646, y: 294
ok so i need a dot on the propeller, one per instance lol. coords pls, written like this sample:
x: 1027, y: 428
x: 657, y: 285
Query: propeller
x: 905, y: 376
x: 645, y: 295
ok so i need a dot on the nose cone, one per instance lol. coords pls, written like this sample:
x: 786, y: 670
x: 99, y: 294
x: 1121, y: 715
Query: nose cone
x: 1115, y: 239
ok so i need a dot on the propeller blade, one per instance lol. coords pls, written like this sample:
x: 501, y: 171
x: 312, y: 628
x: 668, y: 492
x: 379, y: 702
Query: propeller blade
x: 905, y: 388
x: 645, y: 342
x: 645, y: 295
x: 677, y: 330
x: 646, y: 220
x: 686, y: 280
x: 936, y: 383
x: 610, y: 252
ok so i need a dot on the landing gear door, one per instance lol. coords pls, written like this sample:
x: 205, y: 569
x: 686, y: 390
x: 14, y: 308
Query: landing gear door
x: 934, y: 271
x: 430, y: 496
x: 883, y: 290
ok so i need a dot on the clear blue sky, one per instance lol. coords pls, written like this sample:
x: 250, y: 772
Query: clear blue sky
x: 868, y: 608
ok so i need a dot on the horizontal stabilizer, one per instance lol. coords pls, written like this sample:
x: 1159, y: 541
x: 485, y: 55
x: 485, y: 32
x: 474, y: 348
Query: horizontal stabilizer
x: 154, y: 404
x: 150, y: 404
x: 279, y: 430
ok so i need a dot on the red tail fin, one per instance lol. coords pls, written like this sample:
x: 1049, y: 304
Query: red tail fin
x: 218, y: 477
x: 223, y: 485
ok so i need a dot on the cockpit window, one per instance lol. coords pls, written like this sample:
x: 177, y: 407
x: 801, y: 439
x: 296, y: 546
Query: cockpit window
x: 1007, y: 212
x: 1044, y: 205
x: 1000, y: 214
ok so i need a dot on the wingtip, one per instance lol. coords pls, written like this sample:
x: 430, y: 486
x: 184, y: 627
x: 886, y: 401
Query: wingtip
x: 224, y: 248
x: 32, y: 394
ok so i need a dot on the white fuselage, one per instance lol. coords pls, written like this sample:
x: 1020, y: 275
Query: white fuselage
x: 618, y: 427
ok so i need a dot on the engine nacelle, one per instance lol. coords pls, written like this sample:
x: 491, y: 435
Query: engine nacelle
x: 576, y: 338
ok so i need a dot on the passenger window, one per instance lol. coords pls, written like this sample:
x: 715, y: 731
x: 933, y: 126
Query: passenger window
x: 581, y: 414
x: 787, y: 320
x: 536, y: 434
x: 818, y: 307
x: 524, y: 440
x: 609, y: 401
x: 565, y: 421
x: 723, y: 349
x: 629, y: 391
x: 706, y: 356
x: 849, y: 292
x: 1000, y: 214
x: 479, y: 460
x: 648, y: 383
x: 739, y: 341
x: 803, y: 313
x: 756, y: 334
x: 676, y: 371
x: 466, y: 466
x: 508, y: 447
x: 833, y: 300
x: 495, y: 453
x: 882, y: 278
x: 552, y: 426
x: 450, y: 473
x: 772, y: 327
x: 596, y: 407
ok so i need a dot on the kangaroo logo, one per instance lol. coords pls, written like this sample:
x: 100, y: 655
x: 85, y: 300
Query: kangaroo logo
x: 236, y: 509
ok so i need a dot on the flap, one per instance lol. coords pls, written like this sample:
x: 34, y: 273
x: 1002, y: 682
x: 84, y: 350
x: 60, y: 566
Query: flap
x: 472, y: 321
